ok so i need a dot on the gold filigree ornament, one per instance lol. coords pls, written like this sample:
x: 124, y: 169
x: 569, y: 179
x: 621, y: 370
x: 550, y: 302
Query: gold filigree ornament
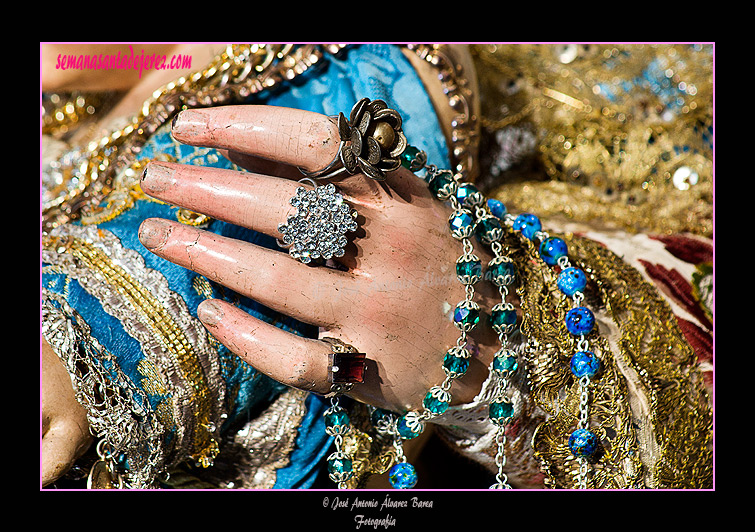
x: 371, y: 454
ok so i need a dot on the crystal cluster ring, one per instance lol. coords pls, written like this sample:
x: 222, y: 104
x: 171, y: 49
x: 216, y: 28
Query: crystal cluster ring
x: 371, y: 142
x: 319, y: 227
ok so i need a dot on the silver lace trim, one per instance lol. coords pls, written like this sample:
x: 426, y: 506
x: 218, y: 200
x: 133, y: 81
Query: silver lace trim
x: 115, y: 414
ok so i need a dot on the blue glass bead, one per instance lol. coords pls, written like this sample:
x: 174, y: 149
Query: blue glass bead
x: 405, y: 431
x: 553, y: 249
x: 402, y: 476
x: 585, y: 364
x: 466, y: 317
x: 496, y: 208
x: 461, y: 224
x: 572, y: 280
x: 505, y: 363
x: 488, y: 230
x: 336, y: 418
x: 380, y: 416
x: 501, y: 273
x: 468, y: 194
x: 528, y: 224
x: 339, y: 464
x: 469, y: 271
x: 582, y: 442
x: 500, y: 412
x: 413, y: 158
x: 435, y: 404
x: 442, y: 185
x: 579, y: 321
x: 455, y: 366
x: 502, y: 317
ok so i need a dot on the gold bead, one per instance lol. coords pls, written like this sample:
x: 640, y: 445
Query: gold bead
x: 384, y: 135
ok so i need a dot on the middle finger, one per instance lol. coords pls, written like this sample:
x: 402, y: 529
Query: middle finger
x: 317, y: 296
x: 254, y: 201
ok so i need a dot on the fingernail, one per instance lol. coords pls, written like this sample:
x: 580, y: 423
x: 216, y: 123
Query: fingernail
x: 175, y: 119
x: 189, y: 123
x: 157, y: 178
x: 153, y: 233
x: 210, y: 313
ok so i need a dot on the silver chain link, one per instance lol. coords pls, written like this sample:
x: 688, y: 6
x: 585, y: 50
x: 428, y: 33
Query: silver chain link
x: 584, y: 382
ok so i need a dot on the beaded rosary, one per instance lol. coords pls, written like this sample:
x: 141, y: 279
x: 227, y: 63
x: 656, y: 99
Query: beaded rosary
x: 473, y: 215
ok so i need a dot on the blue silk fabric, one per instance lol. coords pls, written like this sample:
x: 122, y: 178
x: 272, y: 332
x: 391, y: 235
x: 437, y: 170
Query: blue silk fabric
x: 372, y: 71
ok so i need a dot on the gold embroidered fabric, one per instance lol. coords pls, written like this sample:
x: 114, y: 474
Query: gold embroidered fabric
x: 649, y: 404
x: 613, y: 134
x: 251, y: 454
x: 179, y: 356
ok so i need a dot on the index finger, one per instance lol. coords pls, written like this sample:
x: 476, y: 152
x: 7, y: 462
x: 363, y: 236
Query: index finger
x: 292, y: 136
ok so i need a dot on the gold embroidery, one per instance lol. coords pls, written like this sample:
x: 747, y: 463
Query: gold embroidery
x: 204, y: 447
x: 370, y: 454
x: 252, y: 454
x: 602, y: 132
x: 153, y: 384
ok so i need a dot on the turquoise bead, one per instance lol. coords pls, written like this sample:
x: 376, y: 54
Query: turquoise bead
x: 405, y: 431
x: 468, y: 195
x: 413, y: 158
x: 502, y: 318
x: 583, y: 443
x: 496, y: 208
x: 579, y: 321
x: 381, y: 417
x: 434, y: 404
x: 528, y: 224
x: 442, y: 185
x: 455, y: 366
x: 334, y: 418
x: 501, y: 272
x: 501, y: 412
x: 505, y: 363
x: 402, y: 476
x: 340, y: 465
x: 460, y: 224
x: 469, y: 271
x: 552, y: 249
x: 585, y: 364
x: 466, y: 317
x: 571, y: 280
x: 489, y: 229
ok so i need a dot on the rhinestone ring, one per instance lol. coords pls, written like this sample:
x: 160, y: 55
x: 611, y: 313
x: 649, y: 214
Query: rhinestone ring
x: 318, y: 229
x: 371, y: 142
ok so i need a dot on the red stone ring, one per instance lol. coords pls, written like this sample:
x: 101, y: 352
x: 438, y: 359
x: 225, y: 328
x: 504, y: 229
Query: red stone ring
x: 345, y: 367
